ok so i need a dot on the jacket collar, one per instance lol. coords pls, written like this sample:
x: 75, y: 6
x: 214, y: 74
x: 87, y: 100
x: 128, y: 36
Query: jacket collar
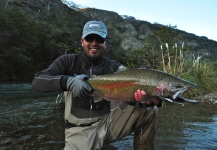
x: 92, y: 61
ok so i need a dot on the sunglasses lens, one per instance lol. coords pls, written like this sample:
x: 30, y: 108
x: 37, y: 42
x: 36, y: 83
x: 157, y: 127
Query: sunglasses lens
x: 91, y: 38
x: 100, y: 40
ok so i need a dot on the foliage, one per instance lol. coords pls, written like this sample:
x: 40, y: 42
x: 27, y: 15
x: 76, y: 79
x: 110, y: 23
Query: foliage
x: 17, y: 42
x: 150, y: 55
x: 163, y: 53
x: 195, y: 69
x: 27, y: 46
x: 204, y: 74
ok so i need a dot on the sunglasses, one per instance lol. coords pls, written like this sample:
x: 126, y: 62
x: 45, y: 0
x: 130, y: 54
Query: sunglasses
x: 98, y: 39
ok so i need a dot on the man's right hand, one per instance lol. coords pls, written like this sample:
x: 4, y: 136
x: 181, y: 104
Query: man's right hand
x: 78, y: 85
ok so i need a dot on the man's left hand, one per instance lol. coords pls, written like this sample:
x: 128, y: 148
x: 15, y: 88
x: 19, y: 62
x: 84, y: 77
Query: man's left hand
x: 141, y: 94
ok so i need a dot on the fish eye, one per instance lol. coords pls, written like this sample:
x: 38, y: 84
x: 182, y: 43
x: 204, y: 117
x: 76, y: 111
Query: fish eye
x: 178, y: 86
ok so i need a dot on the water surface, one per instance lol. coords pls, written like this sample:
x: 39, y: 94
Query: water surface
x: 31, y: 120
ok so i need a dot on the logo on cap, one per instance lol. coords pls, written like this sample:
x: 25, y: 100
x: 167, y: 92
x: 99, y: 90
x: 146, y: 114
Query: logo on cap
x: 93, y: 25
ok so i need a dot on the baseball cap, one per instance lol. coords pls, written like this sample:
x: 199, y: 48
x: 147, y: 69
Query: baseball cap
x: 94, y: 27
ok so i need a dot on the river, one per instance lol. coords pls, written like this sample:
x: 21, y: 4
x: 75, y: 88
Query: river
x: 33, y: 121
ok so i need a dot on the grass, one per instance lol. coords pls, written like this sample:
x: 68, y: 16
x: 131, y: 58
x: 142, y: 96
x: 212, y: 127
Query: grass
x: 194, y: 68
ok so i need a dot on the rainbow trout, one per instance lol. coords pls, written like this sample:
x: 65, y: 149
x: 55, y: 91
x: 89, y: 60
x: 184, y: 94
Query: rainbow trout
x: 121, y: 86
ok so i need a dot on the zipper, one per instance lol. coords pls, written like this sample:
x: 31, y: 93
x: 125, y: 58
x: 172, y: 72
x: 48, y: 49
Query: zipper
x: 91, y: 74
x: 91, y: 69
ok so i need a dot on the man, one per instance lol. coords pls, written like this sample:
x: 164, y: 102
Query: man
x: 90, y: 124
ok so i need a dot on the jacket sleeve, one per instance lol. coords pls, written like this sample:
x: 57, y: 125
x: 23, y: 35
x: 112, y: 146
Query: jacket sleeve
x: 116, y: 66
x: 121, y: 68
x: 55, y: 76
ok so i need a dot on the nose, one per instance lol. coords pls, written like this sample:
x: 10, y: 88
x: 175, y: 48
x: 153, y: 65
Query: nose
x: 94, y: 41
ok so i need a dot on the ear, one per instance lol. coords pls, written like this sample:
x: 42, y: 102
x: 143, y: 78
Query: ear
x: 105, y: 44
x: 82, y: 42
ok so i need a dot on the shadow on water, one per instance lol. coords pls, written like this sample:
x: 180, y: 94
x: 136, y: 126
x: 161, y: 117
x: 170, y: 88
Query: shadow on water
x: 31, y: 120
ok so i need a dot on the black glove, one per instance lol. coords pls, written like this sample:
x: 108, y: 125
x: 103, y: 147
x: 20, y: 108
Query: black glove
x: 78, y: 85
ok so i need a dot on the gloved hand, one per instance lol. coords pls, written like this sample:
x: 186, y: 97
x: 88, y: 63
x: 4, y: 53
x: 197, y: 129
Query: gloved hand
x: 78, y: 85
x: 141, y: 94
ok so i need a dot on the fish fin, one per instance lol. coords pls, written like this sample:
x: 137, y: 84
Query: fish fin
x: 97, y: 97
x: 115, y: 104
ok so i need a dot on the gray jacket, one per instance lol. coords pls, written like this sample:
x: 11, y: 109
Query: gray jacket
x: 54, y: 78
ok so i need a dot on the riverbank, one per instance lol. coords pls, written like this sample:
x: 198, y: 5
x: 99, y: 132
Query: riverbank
x: 207, y: 98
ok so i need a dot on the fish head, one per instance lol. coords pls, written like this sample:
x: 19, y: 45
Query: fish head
x: 173, y: 88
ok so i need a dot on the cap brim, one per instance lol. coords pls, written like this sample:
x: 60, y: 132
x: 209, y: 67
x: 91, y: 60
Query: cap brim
x: 103, y: 35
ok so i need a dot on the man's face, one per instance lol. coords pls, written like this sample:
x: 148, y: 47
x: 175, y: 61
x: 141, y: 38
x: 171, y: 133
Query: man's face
x: 93, y: 45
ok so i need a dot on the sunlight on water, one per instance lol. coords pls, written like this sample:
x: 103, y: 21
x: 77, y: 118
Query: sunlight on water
x: 201, y: 135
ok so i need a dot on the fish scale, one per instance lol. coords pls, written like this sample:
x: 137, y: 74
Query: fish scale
x: 122, y: 85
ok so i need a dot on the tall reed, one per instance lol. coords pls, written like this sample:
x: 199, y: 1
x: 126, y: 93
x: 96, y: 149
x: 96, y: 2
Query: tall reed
x: 172, y: 59
x: 192, y: 68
